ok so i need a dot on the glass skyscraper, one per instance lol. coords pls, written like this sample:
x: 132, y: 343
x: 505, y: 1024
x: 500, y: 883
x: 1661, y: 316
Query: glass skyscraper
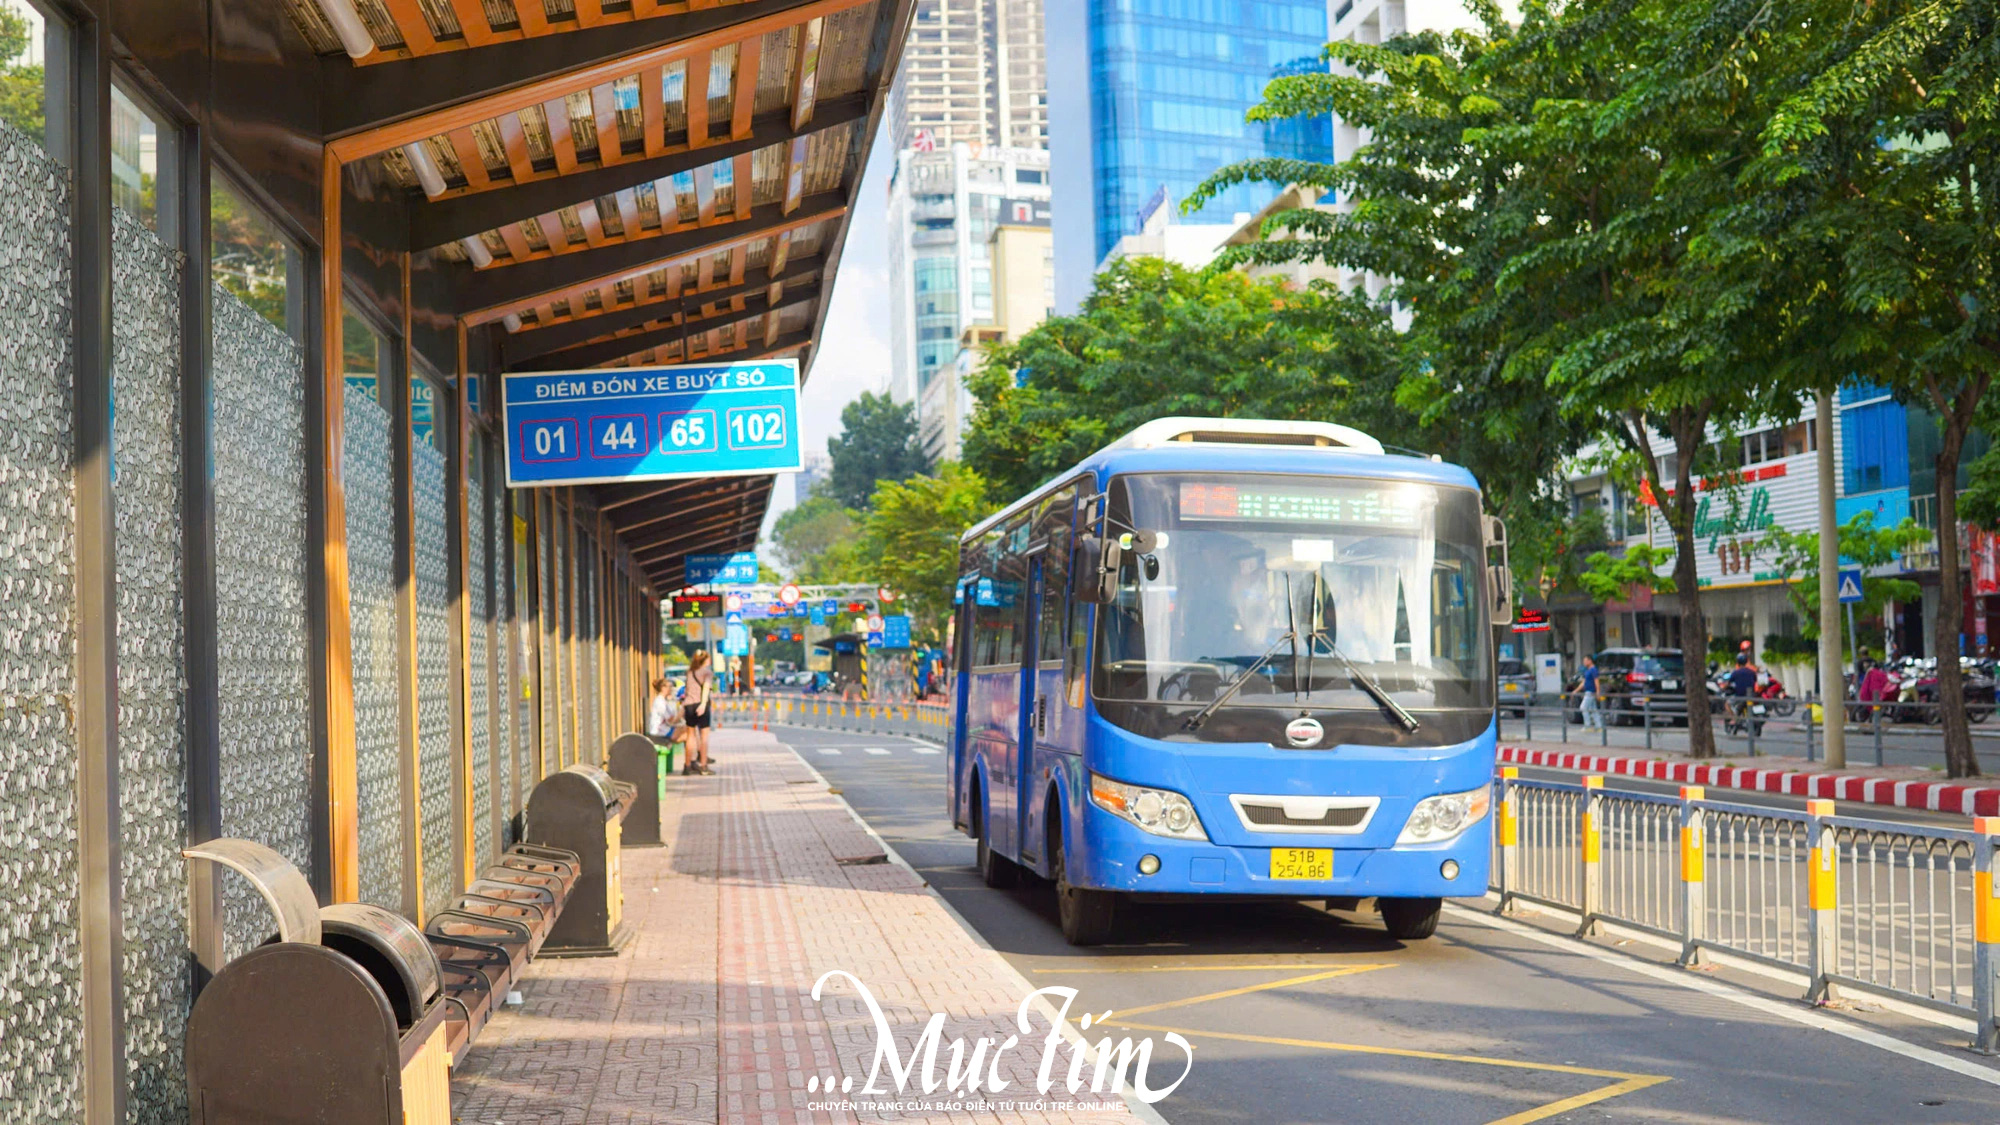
x: 1155, y: 92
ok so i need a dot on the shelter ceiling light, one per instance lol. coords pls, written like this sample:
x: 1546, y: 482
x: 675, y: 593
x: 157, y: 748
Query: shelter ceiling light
x: 512, y: 322
x: 419, y: 156
x: 475, y: 248
x: 347, y: 24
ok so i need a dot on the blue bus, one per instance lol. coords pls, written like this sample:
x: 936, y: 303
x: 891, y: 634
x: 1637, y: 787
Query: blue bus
x: 1232, y: 658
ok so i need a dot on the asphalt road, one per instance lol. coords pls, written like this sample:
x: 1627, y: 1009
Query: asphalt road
x: 1299, y: 1015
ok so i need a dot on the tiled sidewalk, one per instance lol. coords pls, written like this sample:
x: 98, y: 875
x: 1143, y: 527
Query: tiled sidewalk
x: 766, y: 882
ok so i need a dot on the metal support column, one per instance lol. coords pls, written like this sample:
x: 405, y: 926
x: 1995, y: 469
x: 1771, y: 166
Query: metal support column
x: 100, y: 907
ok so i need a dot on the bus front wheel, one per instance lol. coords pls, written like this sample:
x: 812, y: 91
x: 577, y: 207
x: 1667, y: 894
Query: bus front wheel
x: 1410, y: 919
x: 1087, y: 916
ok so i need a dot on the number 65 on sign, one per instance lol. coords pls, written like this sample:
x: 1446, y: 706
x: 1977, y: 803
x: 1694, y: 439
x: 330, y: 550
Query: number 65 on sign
x: 652, y: 423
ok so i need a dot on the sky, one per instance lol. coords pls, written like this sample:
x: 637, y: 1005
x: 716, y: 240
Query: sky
x: 854, y: 347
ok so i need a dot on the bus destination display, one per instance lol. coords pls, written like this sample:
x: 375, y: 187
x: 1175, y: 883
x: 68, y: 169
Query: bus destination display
x: 1371, y: 506
x: 652, y: 423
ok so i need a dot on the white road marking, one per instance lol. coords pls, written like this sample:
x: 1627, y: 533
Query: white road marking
x: 873, y: 750
x: 828, y: 750
x: 923, y: 749
x: 1792, y: 1012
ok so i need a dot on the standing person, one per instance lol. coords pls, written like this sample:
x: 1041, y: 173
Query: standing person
x: 696, y: 711
x: 1592, y: 720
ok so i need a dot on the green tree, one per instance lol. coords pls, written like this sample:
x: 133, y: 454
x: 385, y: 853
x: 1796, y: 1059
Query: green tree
x: 23, y: 94
x: 815, y: 540
x: 1610, y: 578
x: 909, y: 540
x: 877, y: 442
x: 1917, y: 222
x: 1156, y: 339
x: 1539, y: 229
x: 1861, y: 544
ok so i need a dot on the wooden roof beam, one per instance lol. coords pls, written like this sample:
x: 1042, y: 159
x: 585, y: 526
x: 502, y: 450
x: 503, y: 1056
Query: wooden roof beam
x: 452, y: 217
x: 490, y: 294
x: 533, y: 342
x: 618, y: 347
x: 444, y: 91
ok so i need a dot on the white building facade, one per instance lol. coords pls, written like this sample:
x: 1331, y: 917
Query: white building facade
x: 943, y: 209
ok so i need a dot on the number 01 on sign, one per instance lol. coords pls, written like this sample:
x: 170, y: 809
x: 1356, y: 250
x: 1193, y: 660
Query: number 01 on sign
x: 652, y: 423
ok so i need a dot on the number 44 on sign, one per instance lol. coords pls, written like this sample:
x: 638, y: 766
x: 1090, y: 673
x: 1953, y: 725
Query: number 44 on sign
x: 652, y: 423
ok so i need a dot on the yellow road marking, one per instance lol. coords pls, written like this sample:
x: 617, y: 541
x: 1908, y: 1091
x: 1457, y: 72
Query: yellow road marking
x: 1627, y: 1083
x: 1343, y: 971
x: 1208, y: 968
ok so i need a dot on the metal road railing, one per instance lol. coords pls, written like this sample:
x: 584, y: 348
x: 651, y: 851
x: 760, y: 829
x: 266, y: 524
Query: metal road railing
x: 1899, y: 909
x: 1907, y: 731
x: 912, y: 720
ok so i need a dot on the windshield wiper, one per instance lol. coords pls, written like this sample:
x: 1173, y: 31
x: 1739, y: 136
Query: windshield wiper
x: 1195, y: 720
x: 1355, y: 675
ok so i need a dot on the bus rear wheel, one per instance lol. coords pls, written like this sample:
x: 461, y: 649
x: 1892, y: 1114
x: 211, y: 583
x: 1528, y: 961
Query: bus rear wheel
x: 1410, y: 919
x: 996, y: 870
x: 1088, y: 917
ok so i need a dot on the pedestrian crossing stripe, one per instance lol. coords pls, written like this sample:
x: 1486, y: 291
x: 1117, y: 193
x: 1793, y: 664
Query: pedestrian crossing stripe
x: 830, y: 751
x: 873, y: 750
x: 923, y: 750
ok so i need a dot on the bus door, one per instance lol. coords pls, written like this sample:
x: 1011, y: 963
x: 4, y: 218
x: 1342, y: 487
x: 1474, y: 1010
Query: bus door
x: 1047, y: 730
x: 961, y: 685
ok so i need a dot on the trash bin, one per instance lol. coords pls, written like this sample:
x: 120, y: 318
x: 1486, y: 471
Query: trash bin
x: 636, y: 761
x: 581, y: 808
x: 339, y: 1020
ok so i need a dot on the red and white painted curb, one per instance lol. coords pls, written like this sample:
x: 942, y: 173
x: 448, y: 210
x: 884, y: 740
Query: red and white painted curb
x: 1936, y: 796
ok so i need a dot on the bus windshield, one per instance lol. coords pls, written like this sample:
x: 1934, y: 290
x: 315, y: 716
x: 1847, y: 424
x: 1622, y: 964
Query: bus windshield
x: 1327, y: 581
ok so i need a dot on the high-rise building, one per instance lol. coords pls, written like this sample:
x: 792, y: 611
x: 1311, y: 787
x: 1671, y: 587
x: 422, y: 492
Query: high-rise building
x: 1147, y: 98
x: 944, y: 208
x: 972, y: 73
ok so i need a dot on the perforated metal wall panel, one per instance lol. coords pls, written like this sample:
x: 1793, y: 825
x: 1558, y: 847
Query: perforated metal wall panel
x: 371, y: 591
x: 478, y: 649
x: 41, y: 1030
x: 507, y: 690
x: 554, y: 692
x: 435, y: 678
x: 152, y: 656
x: 260, y: 542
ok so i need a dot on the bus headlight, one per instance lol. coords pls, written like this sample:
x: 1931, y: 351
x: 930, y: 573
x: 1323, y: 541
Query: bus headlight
x: 1445, y: 816
x: 1162, y: 812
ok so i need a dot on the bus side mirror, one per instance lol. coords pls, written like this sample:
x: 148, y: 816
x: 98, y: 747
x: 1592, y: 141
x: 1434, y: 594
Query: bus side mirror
x: 1093, y: 579
x: 1499, y: 576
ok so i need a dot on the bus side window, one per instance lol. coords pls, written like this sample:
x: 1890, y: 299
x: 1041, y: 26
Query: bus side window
x: 1053, y: 526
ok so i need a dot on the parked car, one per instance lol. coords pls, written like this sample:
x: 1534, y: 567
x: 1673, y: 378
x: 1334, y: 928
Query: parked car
x: 1517, y: 687
x: 1631, y: 679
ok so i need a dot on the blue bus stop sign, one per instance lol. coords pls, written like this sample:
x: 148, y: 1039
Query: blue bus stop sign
x: 652, y: 423
x: 739, y: 569
x: 1850, y: 584
x: 896, y: 631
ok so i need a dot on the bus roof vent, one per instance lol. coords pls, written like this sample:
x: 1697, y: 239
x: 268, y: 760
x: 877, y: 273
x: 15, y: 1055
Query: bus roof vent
x: 1247, y: 431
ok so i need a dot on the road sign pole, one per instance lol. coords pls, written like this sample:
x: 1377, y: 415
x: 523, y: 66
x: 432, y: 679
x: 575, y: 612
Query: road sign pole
x: 1829, y: 573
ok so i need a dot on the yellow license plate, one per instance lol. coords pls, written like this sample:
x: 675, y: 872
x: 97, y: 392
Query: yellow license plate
x: 1301, y: 863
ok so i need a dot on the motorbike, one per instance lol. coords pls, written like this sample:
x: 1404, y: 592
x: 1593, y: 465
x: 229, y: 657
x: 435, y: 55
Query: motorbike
x: 1746, y: 714
x: 1774, y: 696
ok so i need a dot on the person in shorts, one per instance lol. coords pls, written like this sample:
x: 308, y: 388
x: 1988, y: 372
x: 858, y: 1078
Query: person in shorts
x: 696, y: 711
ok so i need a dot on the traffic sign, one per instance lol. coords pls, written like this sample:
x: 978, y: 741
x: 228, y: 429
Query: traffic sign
x: 1850, y: 584
x: 738, y: 569
x: 736, y: 640
x: 829, y: 607
x: 733, y: 603
x: 652, y: 423
x: 885, y: 593
x: 788, y: 594
x: 874, y: 622
x: 896, y: 631
x: 734, y: 618
x: 817, y: 616
x: 874, y: 639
